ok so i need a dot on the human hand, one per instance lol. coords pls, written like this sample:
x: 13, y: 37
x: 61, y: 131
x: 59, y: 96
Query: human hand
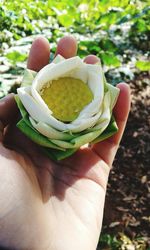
x: 47, y: 205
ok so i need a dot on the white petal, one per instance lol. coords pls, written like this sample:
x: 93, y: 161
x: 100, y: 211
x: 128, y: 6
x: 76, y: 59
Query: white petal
x: 58, y: 59
x: 96, y: 68
x: 95, y: 82
x: 49, y: 73
x: 90, y: 110
x: 114, y: 93
x: 34, y: 91
x: 79, y: 73
x: 82, y: 124
x: 106, y: 114
x: 104, y: 120
x: 50, y: 132
x: 30, y: 104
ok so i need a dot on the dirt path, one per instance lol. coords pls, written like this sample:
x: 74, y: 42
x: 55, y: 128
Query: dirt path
x: 128, y: 197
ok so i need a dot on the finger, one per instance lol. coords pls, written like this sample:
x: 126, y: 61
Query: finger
x: 121, y: 111
x: 91, y: 59
x: 39, y: 54
x: 8, y: 110
x: 107, y: 149
x: 38, y: 57
x: 67, y: 47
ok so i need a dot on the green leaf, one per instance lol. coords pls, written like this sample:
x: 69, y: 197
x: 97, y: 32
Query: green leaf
x: 143, y: 65
x: 110, y: 241
x: 66, y: 20
x: 108, y: 45
x: 110, y: 59
x: 110, y: 18
x: 28, y: 77
x: 15, y: 57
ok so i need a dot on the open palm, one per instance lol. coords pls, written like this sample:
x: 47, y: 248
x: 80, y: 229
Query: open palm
x: 49, y: 205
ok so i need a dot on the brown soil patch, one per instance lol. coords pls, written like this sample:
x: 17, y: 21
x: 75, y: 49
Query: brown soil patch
x: 128, y: 197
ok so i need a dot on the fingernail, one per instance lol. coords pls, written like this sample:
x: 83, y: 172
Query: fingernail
x: 92, y: 59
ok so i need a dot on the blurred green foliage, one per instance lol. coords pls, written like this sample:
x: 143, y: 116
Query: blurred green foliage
x: 15, y: 56
x: 111, y: 29
x: 143, y: 66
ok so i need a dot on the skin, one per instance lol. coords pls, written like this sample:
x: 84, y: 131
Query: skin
x: 48, y: 205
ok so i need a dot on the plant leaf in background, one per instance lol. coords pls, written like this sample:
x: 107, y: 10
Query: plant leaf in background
x: 16, y: 56
x: 143, y: 66
x: 110, y: 59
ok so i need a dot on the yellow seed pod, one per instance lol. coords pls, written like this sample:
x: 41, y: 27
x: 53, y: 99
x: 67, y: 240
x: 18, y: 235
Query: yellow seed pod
x: 66, y: 97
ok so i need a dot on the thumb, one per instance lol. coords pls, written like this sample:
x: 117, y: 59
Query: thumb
x: 8, y: 110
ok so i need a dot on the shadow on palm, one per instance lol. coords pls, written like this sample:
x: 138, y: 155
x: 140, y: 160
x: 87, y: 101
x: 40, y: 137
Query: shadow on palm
x: 56, y: 177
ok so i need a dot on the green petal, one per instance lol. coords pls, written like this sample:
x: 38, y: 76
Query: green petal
x: 105, y: 117
x: 63, y: 144
x: 84, y: 139
x: 114, y: 93
x: 35, y: 136
x: 94, y: 137
x: 79, y: 141
x: 58, y: 59
x: 109, y: 131
x: 23, y: 112
x: 20, y: 106
x: 105, y: 83
x: 28, y: 77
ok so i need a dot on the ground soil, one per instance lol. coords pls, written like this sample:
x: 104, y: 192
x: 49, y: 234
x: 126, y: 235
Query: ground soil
x: 128, y: 197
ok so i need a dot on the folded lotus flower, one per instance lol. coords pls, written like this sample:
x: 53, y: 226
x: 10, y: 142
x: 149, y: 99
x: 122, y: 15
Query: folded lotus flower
x: 67, y: 104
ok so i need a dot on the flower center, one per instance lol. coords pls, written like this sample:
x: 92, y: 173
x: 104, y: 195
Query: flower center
x: 66, y: 97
